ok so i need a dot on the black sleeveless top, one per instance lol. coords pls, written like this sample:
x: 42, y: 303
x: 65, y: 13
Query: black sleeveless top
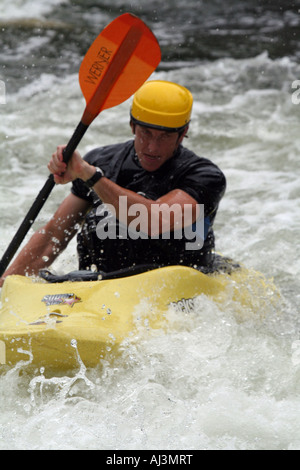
x: 109, y: 246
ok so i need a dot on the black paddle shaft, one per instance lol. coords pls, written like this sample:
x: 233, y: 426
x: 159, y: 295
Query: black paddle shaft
x: 40, y: 201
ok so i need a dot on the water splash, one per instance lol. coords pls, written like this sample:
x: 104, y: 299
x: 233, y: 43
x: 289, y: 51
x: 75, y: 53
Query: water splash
x: 64, y: 386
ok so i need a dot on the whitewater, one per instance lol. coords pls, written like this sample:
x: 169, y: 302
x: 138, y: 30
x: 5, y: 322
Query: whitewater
x: 219, y: 378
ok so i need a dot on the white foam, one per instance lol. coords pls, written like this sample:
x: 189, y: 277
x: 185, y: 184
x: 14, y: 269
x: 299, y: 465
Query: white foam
x: 26, y: 8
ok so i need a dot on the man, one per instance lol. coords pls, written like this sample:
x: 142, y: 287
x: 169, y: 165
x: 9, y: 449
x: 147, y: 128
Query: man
x: 146, y: 186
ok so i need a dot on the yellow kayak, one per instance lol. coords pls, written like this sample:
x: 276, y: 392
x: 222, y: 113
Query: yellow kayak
x: 50, y: 324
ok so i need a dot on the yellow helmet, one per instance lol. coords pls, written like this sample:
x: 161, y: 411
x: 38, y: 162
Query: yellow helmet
x: 162, y: 105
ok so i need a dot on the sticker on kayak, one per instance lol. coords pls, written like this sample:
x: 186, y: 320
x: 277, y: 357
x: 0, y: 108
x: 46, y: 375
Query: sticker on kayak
x: 61, y: 299
x: 48, y: 319
x: 184, y: 305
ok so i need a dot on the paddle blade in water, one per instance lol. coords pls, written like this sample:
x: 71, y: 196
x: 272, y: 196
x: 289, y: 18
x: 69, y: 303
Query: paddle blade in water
x: 118, y: 63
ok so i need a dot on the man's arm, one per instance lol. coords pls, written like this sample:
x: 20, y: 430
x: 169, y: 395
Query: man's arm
x: 171, y: 212
x: 164, y: 214
x: 48, y: 242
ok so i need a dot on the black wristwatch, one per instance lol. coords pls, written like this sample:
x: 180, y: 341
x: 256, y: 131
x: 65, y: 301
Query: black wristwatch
x: 96, y: 177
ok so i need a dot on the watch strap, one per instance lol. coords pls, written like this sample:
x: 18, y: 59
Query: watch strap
x: 99, y: 173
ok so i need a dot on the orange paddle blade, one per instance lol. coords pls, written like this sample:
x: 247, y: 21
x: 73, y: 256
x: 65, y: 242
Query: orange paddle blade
x: 117, y: 64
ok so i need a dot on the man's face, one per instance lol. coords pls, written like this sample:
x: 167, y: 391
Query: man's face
x: 154, y: 147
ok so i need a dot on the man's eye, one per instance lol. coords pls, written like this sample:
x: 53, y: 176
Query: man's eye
x: 166, y: 136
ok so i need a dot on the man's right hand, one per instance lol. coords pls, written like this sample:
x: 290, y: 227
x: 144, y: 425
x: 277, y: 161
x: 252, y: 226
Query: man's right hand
x: 76, y: 168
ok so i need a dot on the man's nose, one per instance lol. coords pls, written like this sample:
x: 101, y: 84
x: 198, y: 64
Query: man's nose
x: 153, y: 145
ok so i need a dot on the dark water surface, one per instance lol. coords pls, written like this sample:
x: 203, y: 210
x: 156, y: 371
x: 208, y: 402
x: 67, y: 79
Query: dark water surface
x: 189, y: 32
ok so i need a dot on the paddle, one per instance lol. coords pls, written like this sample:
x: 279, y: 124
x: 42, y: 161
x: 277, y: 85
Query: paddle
x: 118, y: 62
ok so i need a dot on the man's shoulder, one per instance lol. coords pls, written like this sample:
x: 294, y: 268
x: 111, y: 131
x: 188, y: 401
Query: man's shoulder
x: 100, y: 155
x: 190, y: 160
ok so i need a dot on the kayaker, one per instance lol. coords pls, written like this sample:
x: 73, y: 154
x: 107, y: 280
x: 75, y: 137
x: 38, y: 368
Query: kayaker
x: 153, y: 174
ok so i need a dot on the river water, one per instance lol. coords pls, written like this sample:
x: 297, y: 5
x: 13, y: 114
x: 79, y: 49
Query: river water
x: 216, y: 380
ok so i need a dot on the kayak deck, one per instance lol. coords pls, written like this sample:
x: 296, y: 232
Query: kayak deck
x: 41, y: 323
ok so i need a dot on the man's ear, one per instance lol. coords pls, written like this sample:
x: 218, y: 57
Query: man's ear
x: 182, y: 135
